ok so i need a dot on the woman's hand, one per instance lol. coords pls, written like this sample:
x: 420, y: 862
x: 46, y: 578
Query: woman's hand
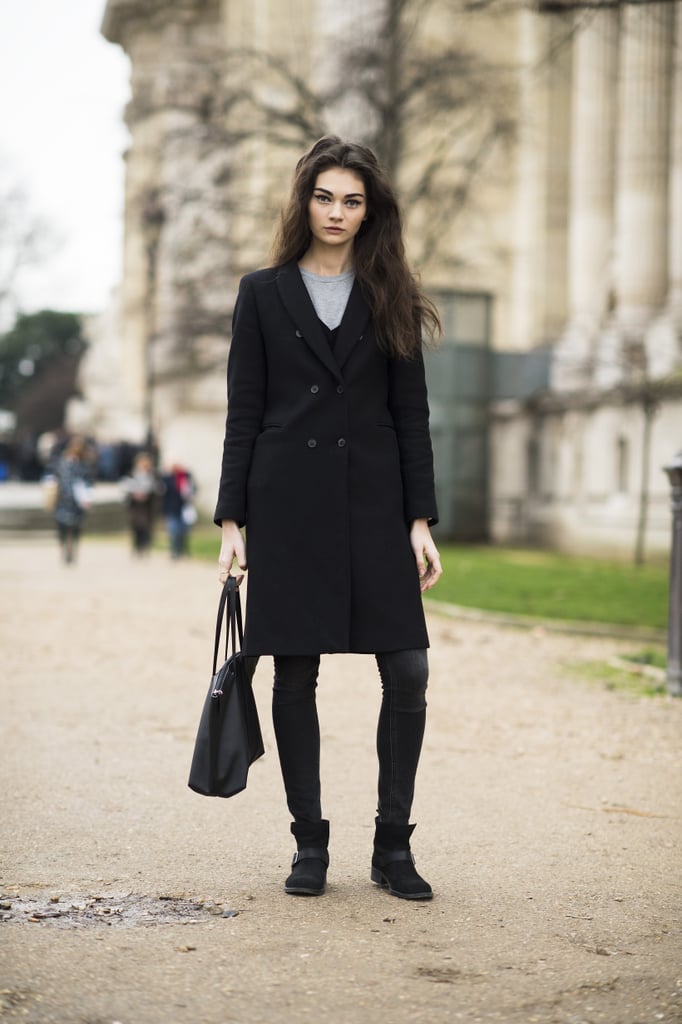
x: 232, y: 548
x: 426, y: 554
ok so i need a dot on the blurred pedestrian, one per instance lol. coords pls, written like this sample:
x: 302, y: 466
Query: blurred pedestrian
x: 177, y: 508
x: 6, y: 456
x: 72, y: 475
x: 327, y: 461
x: 141, y: 490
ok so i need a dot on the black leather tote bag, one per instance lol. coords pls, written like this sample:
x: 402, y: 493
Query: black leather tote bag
x: 229, y: 737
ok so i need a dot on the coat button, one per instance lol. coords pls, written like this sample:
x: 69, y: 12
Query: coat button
x: 341, y: 442
x: 340, y: 389
x: 298, y: 334
x: 312, y: 443
x: 314, y: 389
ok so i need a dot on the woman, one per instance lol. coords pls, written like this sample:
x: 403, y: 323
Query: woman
x: 73, y: 497
x: 141, y: 490
x: 177, y: 509
x: 327, y: 462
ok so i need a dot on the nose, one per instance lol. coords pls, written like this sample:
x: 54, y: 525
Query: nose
x: 336, y: 212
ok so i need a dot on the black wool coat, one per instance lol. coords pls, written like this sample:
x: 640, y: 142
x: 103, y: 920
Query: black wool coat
x: 327, y: 460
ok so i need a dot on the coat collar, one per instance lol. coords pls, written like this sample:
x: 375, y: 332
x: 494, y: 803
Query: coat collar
x: 298, y: 303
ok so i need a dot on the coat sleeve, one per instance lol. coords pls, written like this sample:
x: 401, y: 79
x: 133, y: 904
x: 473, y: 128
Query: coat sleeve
x: 246, y: 382
x: 408, y: 402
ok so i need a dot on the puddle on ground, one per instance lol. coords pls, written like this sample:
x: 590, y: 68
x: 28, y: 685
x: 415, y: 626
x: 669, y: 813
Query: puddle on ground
x: 76, y: 910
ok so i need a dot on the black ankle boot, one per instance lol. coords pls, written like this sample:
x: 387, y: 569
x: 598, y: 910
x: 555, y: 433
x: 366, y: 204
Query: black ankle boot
x: 393, y: 863
x: 309, y: 867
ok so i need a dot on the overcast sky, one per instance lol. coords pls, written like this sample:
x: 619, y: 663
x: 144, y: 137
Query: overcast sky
x: 63, y: 89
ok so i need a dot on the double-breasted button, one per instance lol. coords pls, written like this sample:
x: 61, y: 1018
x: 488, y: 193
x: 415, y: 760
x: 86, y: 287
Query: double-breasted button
x: 341, y: 442
x: 314, y: 389
x: 340, y: 389
x: 312, y: 443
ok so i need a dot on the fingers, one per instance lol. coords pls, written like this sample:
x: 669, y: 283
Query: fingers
x: 426, y: 555
x: 225, y: 569
x: 429, y: 567
x: 429, y: 580
x: 223, y: 576
x: 232, y: 549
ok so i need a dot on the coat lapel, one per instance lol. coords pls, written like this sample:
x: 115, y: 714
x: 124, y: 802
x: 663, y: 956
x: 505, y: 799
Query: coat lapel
x: 351, y: 327
x: 294, y: 295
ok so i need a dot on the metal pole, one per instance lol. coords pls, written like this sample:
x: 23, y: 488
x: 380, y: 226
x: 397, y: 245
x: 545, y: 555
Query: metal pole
x: 674, y: 669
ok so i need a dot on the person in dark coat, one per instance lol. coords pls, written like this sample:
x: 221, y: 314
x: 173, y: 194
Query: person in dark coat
x: 72, y: 478
x: 327, y: 463
x: 178, y: 489
x: 141, y: 490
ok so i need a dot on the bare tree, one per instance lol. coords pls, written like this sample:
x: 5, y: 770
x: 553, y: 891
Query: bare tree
x: 436, y: 112
x: 641, y: 390
x: 25, y: 240
x: 434, y: 116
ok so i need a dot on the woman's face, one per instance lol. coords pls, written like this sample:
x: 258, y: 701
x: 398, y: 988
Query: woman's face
x: 337, y: 207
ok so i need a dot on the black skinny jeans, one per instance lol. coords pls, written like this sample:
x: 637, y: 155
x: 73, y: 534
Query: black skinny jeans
x: 400, y: 731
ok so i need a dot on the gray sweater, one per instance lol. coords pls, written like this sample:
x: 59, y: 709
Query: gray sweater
x: 329, y: 295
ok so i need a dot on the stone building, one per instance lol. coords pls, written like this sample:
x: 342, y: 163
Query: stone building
x: 550, y: 233
x: 598, y: 278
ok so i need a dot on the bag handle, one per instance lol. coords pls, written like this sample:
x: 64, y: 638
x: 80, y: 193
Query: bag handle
x: 230, y: 607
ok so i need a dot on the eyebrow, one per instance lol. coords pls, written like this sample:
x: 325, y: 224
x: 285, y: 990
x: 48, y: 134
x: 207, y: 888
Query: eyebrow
x: 348, y: 195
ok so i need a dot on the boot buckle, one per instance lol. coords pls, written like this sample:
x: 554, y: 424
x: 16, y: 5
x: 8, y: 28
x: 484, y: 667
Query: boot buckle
x: 311, y: 852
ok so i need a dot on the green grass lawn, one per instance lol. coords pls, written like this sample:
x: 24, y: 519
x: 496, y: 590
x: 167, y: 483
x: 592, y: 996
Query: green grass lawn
x: 549, y: 585
x: 204, y: 541
x: 532, y: 582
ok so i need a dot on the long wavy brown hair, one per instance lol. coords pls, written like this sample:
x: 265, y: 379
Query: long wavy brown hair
x: 402, y: 313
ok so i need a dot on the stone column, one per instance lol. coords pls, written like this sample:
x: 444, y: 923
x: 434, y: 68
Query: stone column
x: 531, y: 183
x: 643, y: 163
x: 664, y: 338
x: 348, y: 112
x: 595, y: 77
x: 675, y: 254
x: 174, y: 159
x: 554, y: 267
x: 642, y: 173
x: 174, y: 310
x: 538, y: 304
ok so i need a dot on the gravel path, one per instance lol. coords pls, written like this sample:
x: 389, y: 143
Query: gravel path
x: 549, y: 812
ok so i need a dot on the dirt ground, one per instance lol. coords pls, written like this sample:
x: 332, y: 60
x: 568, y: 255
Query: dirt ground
x: 549, y: 823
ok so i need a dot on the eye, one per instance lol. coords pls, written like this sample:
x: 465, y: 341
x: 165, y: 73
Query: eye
x: 321, y: 198
x: 353, y: 203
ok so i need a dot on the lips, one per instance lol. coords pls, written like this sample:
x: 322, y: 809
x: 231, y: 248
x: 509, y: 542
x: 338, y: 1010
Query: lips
x: 334, y: 231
